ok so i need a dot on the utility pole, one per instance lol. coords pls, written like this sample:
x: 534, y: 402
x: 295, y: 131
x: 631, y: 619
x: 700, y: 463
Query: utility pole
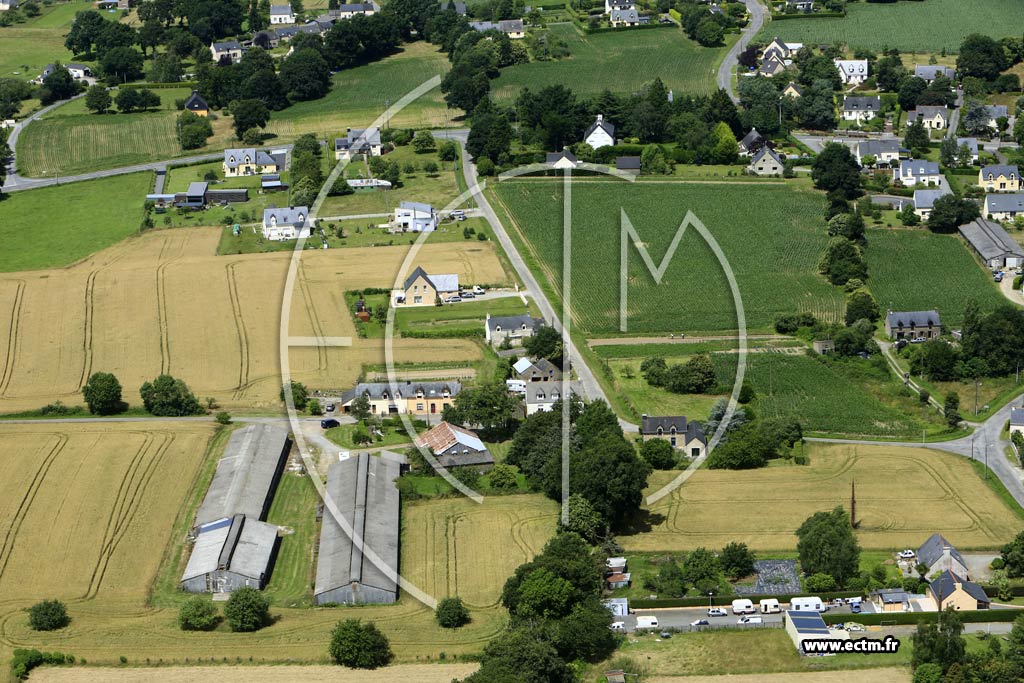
x: 853, y: 504
x: 986, y: 461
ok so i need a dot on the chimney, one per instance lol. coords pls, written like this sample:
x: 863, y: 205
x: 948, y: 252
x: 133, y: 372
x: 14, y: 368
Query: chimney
x: 600, y: 118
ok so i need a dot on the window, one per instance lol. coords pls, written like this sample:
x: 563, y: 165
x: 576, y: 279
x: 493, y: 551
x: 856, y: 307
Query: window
x: 419, y: 407
x: 673, y: 441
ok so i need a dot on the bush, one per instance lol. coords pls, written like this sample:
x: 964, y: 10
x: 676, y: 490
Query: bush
x: 247, y: 610
x: 503, y: 477
x: 359, y: 646
x: 48, y: 615
x: 997, y: 564
x: 659, y: 454
x: 24, y: 661
x: 169, y: 397
x: 223, y: 417
x: 102, y: 393
x: 197, y: 614
x: 451, y: 613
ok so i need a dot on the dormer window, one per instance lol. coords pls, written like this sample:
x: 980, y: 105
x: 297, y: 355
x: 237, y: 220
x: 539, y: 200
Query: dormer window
x: 384, y: 396
x: 660, y: 431
x: 673, y: 429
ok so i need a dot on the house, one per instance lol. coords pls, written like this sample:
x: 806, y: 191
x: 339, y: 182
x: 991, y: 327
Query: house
x: 771, y: 67
x: 1016, y: 420
x: 415, y: 217
x: 933, y: 118
x: 995, y: 112
x: 615, y: 565
x: 77, y: 71
x: 612, y: 5
x: 778, y: 49
x: 1003, y: 207
x: 766, y: 162
x: 752, y: 143
x: 793, y: 90
x: 514, y: 328
x: 231, y: 50
x: 357, y: 561
x: 890, y: 600
x: 197, y: 105
x: 929, y: 72
x: 230, y: 553
x: 349, y: 10
x: 281, y: 14
x: 800, y: 5
x: 852, y: 71
x: 993, y: 244
x: 540, y: 370
x: 415, y: 398
x: 628, y: 165
x: 823, y: 346
x: 364, y: 141
x: 561, y: 160
x: 600, y: 134
x: 918, y: 172
x: 421, y: 289
x: 1000, y: 178
x: 247, y: 474
x: 617, y: 580
x: 971, y: 144
x: 861, y: 109
x: 619, y: 607
x: 924, y: 201
x: 454, y: 446
x: 884, y: 151
x: 253, y: 161
x: 513, y: 28
x: 541, y: 396
x: 801, y: 626
x: 948, y: 589
x: 8, y: 5
x: 939, y: 555
x: 624, y: 17
x: 684, y: 435
x: 912, y: 324
x: 287, y: 223
x: 458, y: 6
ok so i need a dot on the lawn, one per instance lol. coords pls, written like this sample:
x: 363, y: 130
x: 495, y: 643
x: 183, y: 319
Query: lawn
x: 910, y: 26
x: 621, y: 61
x: 342, y: 436
x: 773, y: 237
x: 294, y: 509
x: 913, y: 270
x: 903, y: 496
x: 55, y: 226
x: 27, y: 47
x: 178, y: 180
x: 359, y: 96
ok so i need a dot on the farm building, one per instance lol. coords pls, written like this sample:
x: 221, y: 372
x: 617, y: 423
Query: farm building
x: 861, y: 109
x: 415, y: 398
x: 912, y: 324
x: 513, y: 327
x: 287, y: 223
x: 628, y: 164
x: 931, y: 117
x: 993, y: 244
x: 999, y: 178
x: 890, y: 600
x: 361, y: 494
x: 884, y: 151
x: 454, y: 446
x: 421, y: 289
x: 600, y: 134
x: 415, y: 217
x: 1003, y: 207
x: 801, y: 626
x: 230, y: 553
x: 685, y: 435
x: 950, y: 590
x: 358, y: 141
x: 198, y: 196
x: 1016, y: 420
x: 247, y: 475
x: 939, y: 555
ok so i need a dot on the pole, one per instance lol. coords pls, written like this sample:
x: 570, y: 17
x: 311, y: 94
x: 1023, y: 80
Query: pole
x: 986, y: 461
x: 976, y: 384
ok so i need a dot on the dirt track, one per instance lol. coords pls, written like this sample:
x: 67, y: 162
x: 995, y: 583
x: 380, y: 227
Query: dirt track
x: 403, y: 673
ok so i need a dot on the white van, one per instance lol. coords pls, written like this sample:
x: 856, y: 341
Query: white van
x: 743, y: 606
x: 749, y: 620
x: 646, y: 623
x: 809, y: 604
x: 770, y: 606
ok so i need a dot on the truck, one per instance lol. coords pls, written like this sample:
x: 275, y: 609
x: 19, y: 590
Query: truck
x: 646, y: 622
x: 770, y: 606
x: 743, y: 606
x: 808, y: 604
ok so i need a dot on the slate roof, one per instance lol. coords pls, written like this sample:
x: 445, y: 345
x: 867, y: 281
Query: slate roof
x: 282, y: 10
x: 195, y: 101
x: 627, y: 163
x: 852, y: 67
x: 918, y: 167
x: 877, y: 148
x: 233, y: 158
x: 997, y: 170
x: 896, y: 319
x: 629, y: 16
x: 509, y: 322
x: 990, y: 240
x: 228, y: 45
x: 455, y: 446
x: 752, y: 139
x: 352, y: 142
x: 650, y: 424
x: 795, y: 87
x: 891, y: 596
x: 928, y: 112
x: 929, y: 71
x: 448, y: 282
x: 555, y: 157
x: 544, y: 393
x: 999, y: 203
x: 865, y: 103
x: 238, y: 544
x: 766, y: 151
x: 925, y: 199
x: 602, y: 123
x: 931, y: 551
x: 944, y: 585
x: 771, y: 67
x: 1017, y: 416
x: 997, y: 110
x: 505, y: 25
x: 408, y: 389
x: 295, y: 215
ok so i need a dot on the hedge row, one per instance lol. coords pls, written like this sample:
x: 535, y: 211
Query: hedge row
x: 911, y: 618
x: 813, y: 15
x: 654, y: 603
x: 609, y: 29
x: 993, y: 592
x: 159, y: 86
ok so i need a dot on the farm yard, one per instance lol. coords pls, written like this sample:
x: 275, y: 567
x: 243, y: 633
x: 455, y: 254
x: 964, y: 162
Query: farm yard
x: 768, y: 234
x: 133, y: 310
x: 910, y: 26
x: 903, y: 496
x: 622, y: 61
x: 944, y: 275
x: 401, y: 673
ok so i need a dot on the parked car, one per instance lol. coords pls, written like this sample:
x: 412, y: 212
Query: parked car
x: 328, y: 423
x: 900, y: 343
x: 918, y: 340
x: 907, y: 554
x: 618, y: 626
x: 749, y: 620
x: 854, y: 627
x: 329, y: 407
x: 453, y: 299
x: 998, y: 277
x: 468, y: 295
x: 718, y: 612
x: 700, y: 622
x: 855, y: 608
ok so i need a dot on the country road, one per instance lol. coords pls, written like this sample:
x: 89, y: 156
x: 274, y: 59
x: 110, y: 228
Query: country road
x: 726, y: 69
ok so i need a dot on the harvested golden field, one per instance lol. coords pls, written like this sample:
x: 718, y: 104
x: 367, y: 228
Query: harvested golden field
x: 164, y: 302
x: 886, y: 675
x: 903, y: 496
x: 442, y: 542
x: 401, y: 673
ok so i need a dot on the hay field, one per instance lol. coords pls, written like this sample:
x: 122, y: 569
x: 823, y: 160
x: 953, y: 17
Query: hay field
x: 443, y: 543
x: 401, y: 673
x: 163, y: 302
x: 903, y: 496
x: 884, y: 675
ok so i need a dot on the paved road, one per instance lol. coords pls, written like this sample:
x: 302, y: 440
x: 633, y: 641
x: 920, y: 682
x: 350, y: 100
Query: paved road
x: 16, y: 182
x: 198, y: 418
x: 726, y: 69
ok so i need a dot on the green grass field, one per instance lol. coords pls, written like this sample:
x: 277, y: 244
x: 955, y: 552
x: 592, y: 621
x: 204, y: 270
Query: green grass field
x: 621, y: 61
x: 914, y: 270
x: 920, y: 26
x: 294, y: 508
x: 768, y: 234
x: 27, y: 47
x: 56, y: 226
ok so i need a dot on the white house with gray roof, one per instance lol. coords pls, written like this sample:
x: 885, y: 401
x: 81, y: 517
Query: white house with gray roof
x: 924, y: 201
x: 281, y: 14
x: 972, y: 146
x: 415, y: 217
x: 918, y: 172
x: 286, y: 223
x: 766, y: 163
x: 600, y: 134
x: 247, y: 161
x: 624, y: 17
x: 929, y: 72
x: 992, y: 244
x: 1016, y: 420
x: 364, y: 141
x: 860, y: 108
x: 939, y: 555
x: 515, y: 328
x: 231, y: 49
x: 542, y: 396
x: 884, y: 151
x: 852, y: 71
x: 1003, y: 207
x: 913, y: 324
x: 513, y: 28
x: 995, y: 112
x: 931, y: 117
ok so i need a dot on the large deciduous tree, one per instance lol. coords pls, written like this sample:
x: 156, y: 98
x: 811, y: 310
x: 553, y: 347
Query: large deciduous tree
x: 826, y: 544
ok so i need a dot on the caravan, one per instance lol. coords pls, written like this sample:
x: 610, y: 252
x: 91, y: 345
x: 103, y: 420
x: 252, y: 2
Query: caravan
x: 743, y: 606
x: 646, y: 622
x: 810, y: 604
x: 770, y: 606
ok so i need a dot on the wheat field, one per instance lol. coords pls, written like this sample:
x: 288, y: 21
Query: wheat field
x: 164, y: 302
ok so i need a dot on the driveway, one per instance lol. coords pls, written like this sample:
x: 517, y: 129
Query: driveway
x: 727, y: 68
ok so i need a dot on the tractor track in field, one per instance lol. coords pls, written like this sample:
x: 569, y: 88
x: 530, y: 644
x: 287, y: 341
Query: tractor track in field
x: 240, y: 329
x: 314, y: 320
x: 12, y: 339
x: 87, y: 327
x: 10, y: 538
